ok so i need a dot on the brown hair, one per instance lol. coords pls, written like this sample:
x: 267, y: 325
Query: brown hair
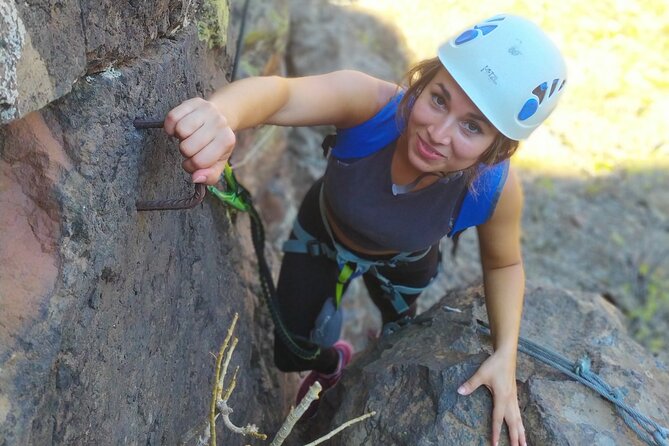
x: 416, y: 79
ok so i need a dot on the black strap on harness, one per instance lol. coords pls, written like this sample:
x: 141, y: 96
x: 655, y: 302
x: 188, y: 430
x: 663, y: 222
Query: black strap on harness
x: 237, y: 197
x: 328, y: 143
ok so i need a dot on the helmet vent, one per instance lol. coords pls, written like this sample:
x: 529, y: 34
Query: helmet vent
x: 532, y: 104
x: 481, y: 29
x: 529, y: 108
x: 555, y: 82
x: 540, y: 91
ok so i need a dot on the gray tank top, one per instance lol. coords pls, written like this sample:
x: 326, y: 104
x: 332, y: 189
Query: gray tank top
x: 360, y: 199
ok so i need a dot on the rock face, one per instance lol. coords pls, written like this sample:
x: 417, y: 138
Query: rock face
x: 411, y: 376
x: 51, y: 45
x: 109, y: 316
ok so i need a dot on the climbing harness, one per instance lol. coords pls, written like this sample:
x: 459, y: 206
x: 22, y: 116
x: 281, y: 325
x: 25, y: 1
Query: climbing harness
x: 327, y: 328
x: 648, y: 430
x: 352, y: 265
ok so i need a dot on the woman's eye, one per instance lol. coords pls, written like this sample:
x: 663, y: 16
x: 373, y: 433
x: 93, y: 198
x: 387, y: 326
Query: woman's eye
x: 471, y: 127
x: 438, y: 101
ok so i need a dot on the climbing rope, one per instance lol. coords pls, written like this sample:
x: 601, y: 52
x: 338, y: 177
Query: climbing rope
x: 237, y: 197
x: 648, y: 430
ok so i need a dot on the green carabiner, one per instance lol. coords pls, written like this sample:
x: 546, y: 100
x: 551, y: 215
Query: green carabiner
x: 234, y: 194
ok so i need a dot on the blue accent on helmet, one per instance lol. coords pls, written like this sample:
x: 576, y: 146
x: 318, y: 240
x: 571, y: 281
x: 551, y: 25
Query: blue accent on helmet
x: 528, y: 109
x: 466, y: 36
x: 485, y: 29
x: 540, y: 91
x: 473, y: 33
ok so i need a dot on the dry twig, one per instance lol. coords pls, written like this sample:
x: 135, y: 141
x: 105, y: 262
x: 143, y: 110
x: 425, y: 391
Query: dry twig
x: 221, y: 395
x: 296, y: 413
x: 219, y: 402
x: 341, y: 428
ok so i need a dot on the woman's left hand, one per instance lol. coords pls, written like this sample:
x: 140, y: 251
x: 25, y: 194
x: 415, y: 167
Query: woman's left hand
x: 498, y: 374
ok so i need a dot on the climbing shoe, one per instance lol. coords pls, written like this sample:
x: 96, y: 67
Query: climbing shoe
x: 328, y: 380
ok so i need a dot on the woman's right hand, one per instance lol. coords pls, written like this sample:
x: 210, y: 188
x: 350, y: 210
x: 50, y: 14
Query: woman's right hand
x: 206, y: 138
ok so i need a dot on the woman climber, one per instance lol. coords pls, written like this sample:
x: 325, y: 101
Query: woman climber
x: 411, y: 164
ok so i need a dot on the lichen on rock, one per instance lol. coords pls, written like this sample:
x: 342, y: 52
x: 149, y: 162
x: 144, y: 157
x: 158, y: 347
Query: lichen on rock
x: 11, y: 43
x: 213, y: 24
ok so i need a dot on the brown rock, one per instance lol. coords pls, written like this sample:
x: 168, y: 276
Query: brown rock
x: 410, y: 378
x: 109, y: 316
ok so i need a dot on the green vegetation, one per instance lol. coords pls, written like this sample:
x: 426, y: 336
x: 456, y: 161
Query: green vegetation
x: 654, y: 290
x: 273, y: 34
x: 269, y: 36
x: 213, y: 24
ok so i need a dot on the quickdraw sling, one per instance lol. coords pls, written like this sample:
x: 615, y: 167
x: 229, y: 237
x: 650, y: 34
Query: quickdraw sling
x: 237, y: 197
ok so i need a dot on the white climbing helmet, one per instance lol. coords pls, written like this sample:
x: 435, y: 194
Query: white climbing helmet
x: 510, y: 69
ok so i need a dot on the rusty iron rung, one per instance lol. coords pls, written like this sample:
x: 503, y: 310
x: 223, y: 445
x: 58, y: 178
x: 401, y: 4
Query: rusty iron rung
x: 168, y: 204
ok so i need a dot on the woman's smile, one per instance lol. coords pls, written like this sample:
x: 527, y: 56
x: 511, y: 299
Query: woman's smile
x: 427, y: 151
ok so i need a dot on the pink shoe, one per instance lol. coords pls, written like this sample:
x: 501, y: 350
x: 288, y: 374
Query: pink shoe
x: 327, y: 380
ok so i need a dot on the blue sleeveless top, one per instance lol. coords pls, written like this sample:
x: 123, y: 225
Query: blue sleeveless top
x: 357, y: 187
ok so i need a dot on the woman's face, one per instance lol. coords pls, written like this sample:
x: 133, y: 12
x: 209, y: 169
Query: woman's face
x: 446, y: 132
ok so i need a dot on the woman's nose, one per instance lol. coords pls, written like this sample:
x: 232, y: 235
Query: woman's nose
x: 441, y: 132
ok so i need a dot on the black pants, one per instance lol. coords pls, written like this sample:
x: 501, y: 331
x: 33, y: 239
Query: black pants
x: 306, y: 282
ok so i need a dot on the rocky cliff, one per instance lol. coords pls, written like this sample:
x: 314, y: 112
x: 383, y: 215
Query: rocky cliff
x: 109, y: 316
x: 410, y: 378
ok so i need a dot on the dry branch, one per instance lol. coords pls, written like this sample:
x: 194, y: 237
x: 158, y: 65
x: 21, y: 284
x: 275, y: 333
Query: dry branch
x: 220, y: 396
x: 341, y: 428
x: 219, y: 401
x: 296, y: 413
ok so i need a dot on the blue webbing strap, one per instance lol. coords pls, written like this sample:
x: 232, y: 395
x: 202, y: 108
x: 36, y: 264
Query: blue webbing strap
x: 481, y: 198
x: 370, y: 136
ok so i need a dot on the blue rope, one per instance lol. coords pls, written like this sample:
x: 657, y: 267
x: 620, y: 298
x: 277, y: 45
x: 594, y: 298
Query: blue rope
x: 648, y: 430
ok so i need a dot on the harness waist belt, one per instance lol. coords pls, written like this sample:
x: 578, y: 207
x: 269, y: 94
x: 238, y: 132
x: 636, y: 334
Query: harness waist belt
x: 308, y: 244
